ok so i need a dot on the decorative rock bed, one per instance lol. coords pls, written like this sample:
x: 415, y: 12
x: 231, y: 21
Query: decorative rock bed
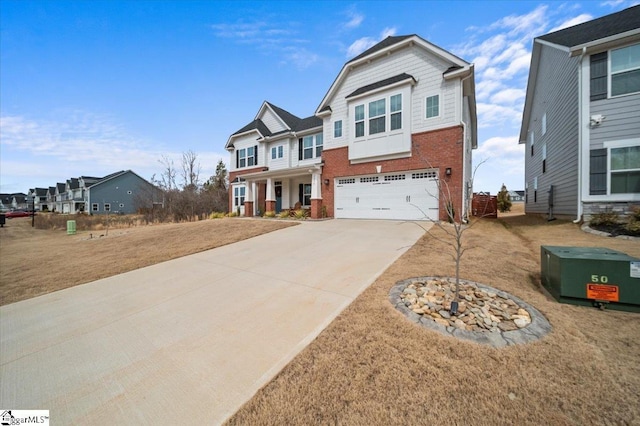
x: 485, y: 315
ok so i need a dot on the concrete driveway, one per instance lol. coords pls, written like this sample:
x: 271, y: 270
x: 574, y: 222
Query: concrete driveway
x: 193, y: 338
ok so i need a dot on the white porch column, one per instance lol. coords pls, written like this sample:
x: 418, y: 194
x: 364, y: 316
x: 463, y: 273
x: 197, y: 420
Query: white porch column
x: 316, y: 189
x: 271, y: 193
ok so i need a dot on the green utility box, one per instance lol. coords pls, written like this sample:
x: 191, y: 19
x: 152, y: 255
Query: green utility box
x: 71, y: 227
x: 591, y: 276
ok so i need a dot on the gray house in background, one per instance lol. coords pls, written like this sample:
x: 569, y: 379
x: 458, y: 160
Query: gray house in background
x: 581, y: 120
x: 121, y: 192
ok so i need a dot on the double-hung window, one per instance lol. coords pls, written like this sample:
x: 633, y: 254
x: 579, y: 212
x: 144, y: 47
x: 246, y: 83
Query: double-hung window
x: 319, y: 143
x: 625, y: 70
x: 238, y: 195
x: 307, y: 147
x: 377, y: 116
x: 306, y: 194
x: 337, y: 129
x: 310, y: 147
x: 247, y: 157
x: 625, y: 170
x: 396, y: 112
x: 432, y: 106
x: 277, y: 152
x: 359, y: 121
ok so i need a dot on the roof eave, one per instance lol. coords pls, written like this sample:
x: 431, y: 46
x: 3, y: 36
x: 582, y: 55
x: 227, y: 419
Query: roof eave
x: 229, y: 145
x: 528, y: 100
x: 587, y: 48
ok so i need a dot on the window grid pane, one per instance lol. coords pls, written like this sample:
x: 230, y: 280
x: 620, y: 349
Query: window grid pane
x: 433, y: 107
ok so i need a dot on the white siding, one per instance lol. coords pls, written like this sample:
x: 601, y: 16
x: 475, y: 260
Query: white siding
x: 427, y: 69
x: 246, y: 142
x: 278, y: 163
x: 272, y: 121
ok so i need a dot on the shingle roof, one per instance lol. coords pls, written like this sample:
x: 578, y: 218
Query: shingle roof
x: 389, y: 41
x: 382, y: 83
x: 41, y: 192
x: 616, y: 23
x: 290, y: 119
x: 256, y: 124
x: 308, y: 123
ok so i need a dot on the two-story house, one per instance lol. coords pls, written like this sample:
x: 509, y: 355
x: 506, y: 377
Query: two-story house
x: 581, y: 121
x: 391, y: 139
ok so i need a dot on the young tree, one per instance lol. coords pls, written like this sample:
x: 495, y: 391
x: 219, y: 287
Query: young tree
x: 217, y: 188
x: 504, y: 200
x: 190, y: 171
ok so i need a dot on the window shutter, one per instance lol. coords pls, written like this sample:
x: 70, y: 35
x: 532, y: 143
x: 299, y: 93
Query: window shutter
x: 300, y: 150
x: 598, y: 172
x: 301, y: 193
x: 598, y: 72
x: 255, y: 151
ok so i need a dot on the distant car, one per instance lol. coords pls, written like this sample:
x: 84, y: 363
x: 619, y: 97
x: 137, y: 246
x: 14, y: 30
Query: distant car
x: 18, y: 213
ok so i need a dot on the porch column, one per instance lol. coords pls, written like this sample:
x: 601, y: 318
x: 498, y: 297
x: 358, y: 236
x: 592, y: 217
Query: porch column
x: 248, y: 200
x: 316, y: 196
x: 271, y: 196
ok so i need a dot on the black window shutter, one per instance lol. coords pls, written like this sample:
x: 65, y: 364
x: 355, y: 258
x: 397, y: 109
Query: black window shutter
x: 301, y: 193
x: 300, y: 150
x: 598, y: 172
x: 598, y: 72
x: 255, y: 151
x: 237, y: 159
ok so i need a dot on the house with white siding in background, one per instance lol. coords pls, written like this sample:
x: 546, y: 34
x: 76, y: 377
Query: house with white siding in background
x: 581, y: 121
x: 397, y: 120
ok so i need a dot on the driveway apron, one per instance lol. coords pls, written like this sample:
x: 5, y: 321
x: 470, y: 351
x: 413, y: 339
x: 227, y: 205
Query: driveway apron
x: 192, y: 338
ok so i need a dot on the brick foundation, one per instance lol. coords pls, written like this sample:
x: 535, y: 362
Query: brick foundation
x: 316, y: 208
x: 271, y: 206
x: 248, y: 208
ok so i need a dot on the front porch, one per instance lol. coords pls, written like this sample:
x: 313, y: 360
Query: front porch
x: 279, y: 190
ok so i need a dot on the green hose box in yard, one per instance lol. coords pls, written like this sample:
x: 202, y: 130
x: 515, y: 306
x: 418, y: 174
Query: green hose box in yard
x: 591, y: 276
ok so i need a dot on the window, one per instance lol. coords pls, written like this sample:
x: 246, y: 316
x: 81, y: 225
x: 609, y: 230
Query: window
x: 310, y: 147
x: 359, y: 121
x: 625, y: 170
x: 247, y: 157
x: 598, y: 172
x: 396, y: 112
x: 121, y: 205
x: 544, y: 158
x: 544, y: 123
x: 94, y: 207
x: 238, y: 195
x: 107, y: 207
x: 598, y: 72
x: 535, y: 189
x: 433, y: 106
x: 277, y: 152
x: 306, y: 194
x: 337, y: 129
x: 346, y: 181
x: 377, y: 116
x: 625, y: 70
x: 531, y: 141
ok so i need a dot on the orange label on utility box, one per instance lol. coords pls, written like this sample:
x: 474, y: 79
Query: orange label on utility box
x: 603, y: 292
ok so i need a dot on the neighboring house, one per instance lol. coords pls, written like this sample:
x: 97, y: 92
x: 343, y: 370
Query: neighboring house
x: 397, y: 117
x: 51, y: 198
x: 39, y: 198
x: 121, y: 192
x: 516, y: 196
x: 5, y: 201
x: 581, y: 121
x: 60, y: 197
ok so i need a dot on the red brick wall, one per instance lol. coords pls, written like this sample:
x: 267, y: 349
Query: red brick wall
x: 438, y: 149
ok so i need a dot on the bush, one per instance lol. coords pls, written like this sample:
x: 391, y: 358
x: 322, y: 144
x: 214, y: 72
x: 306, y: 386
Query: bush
x: 284, y: 214
x: 607, y: 218
x: 270, y: 213
x: 504, y: 200
x: 635, y: 213
x: 217, y: 215
x: 300, y: 214
x: 233, y: 214
x: 633, y: 227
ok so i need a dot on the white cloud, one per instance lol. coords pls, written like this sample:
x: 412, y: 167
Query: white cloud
x: 584, y: 17
x: 300, y: 57
x: 355, y: 19
x: 364, y: 43
x: 508, y: 96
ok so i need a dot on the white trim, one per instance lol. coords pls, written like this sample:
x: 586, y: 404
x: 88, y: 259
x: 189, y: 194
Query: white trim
x: 610, y: 72
x: 553, y: 45
x: 624, y: 143
x: 587, y: 47
x: 409, y: 81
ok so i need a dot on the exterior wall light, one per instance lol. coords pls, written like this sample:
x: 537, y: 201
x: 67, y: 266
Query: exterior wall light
x: 447, y: 171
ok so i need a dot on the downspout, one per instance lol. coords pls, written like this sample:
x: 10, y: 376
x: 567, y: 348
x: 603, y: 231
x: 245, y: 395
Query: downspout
x: 465, y: 210
x: 580, y: 95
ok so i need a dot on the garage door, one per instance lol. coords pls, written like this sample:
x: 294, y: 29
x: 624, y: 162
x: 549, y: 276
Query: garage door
x: 403, y: 196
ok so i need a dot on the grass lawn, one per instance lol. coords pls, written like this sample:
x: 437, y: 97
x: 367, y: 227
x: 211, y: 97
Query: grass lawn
x: 37, y: 261
x: 372, y: 366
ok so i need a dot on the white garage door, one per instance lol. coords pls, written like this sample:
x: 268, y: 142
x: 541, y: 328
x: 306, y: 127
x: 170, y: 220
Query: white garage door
x: 404, y: 196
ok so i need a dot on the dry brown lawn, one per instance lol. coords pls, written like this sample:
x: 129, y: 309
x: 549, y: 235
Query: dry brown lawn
x: 37, y: 261
x: 372, y: 366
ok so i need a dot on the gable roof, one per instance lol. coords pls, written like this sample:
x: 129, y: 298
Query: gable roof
x: 382, y: 83
x: 290, y: 120
x: 386, y: 46
x: 582, y: 39
x: 610, y: 25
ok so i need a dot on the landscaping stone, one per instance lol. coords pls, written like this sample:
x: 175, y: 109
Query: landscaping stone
x: 485, y: 315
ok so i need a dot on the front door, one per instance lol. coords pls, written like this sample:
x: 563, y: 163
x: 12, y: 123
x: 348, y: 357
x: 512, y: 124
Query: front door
x: 278, y: 191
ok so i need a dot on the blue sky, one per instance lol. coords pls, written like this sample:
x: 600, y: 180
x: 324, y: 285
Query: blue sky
x: 93, y: 87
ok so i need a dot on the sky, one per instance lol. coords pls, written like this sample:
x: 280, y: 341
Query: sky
x: 88, y: 88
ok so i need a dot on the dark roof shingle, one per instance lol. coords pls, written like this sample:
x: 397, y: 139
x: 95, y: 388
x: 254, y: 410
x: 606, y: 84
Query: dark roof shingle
x: 609, y: 25
x: 381, y: 83
x: 389, y: 41
x: 256, y: 124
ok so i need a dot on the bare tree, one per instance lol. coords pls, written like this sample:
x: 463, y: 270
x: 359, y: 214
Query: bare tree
x: 456, y: 227
x: 167, y: 179
x: 190, y: 170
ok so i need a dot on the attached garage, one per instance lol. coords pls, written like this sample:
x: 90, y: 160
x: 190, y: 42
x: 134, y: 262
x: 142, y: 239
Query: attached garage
x: 409, y: 195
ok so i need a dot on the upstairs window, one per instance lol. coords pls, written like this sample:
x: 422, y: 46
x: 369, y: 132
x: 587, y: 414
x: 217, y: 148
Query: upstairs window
x: 310, y: 147
x: 625, y: 70
x: 377, y: 116
x: 433, y: 106
x: 396, y: 112
x: 247, y: 157
x: 544, y: 124
x: 359, y: 118
x: 337, y: 129
x: 277, y: 152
